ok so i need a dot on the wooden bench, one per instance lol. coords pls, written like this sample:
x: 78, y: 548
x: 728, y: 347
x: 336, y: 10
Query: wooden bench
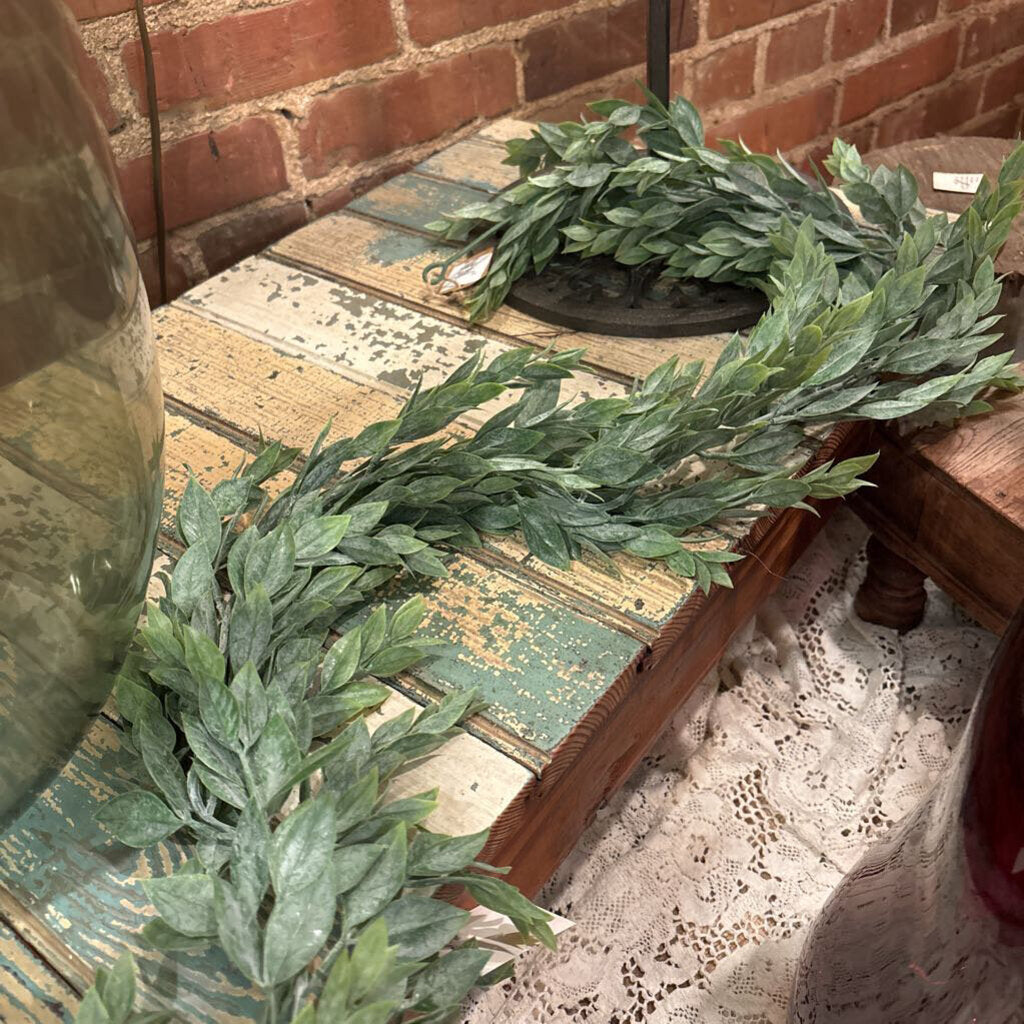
x: 582, y: 671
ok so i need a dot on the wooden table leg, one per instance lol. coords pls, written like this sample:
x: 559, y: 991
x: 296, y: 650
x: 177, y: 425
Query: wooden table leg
x: 892, y: 593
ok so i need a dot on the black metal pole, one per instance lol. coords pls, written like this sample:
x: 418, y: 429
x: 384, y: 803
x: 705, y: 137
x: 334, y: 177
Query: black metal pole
x: 658, y: 18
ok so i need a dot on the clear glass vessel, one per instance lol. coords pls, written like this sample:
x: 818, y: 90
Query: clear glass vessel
x: 929, y: 927
x: 81, y: 417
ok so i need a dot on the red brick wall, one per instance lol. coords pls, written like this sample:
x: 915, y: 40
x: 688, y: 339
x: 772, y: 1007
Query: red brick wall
x: 276, y: 111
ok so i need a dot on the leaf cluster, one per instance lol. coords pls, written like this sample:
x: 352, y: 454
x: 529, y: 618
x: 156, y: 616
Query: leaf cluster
x: 256, y: 743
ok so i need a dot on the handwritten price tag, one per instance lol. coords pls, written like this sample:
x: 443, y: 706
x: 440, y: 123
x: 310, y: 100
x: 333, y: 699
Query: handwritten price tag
x: 944, y: 181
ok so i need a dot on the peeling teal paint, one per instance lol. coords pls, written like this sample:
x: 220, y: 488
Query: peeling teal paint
x: 414, y: 201
x: 540, y: 664
x: 84, y: 886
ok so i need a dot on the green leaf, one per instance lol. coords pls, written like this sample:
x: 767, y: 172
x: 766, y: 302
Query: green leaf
x: 237, y: 555
x: 238, y: 931
x: 185, y: 902
x: 372, y: 959
x: 252, y: 621
x: 164, y: 769
x: 653, y: 543
x: 351, y: 863
x: 544, y: 537
x: 393, y: 660
x: 192, y: 578
x: 251, y: 700
x: 407, y: 618
x: 202, y: 656
x: 250, y: 857
x: 302, y: 845
x: 443, y: 855
x: 365, y: 516
x: 275, y: 756
x: 198, y: 518
x: 117, y: 988
x: 448, y: 980
x: 138, y: 818
x: 341, y: 661
x: 211, y: 753
x: 219, y: 712
x: 425, y: 563
x: 420, y: 926
x: 231, y: 496
x: 319, y: 536
x: 160, y: 935
x: 590, y: 175
x: 505, y: 899
x: 372, y: 632
x: 269, y: 561
x: 382, y: 882
x: 91, y: 1010
x: 297, y: 928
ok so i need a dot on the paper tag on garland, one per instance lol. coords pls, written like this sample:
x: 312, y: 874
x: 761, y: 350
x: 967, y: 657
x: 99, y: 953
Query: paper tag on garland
x: 499, y: 936
x: 944, y: 181
x: 467, y: 273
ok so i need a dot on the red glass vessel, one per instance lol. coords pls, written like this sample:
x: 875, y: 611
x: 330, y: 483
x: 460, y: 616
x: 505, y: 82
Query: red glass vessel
x: 929, y: 927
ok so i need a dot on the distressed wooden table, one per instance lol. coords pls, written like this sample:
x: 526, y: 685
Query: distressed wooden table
x: 582, y: 671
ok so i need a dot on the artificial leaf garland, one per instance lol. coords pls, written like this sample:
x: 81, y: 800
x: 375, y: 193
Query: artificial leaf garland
x: 239, y: 716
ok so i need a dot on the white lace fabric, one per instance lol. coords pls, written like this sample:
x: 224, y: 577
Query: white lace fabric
x: 692, y: 890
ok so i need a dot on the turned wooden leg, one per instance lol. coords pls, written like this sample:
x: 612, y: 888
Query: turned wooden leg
x: 892, y: 593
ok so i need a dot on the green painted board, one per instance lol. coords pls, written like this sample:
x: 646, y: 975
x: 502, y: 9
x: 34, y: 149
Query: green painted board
x: 31, y: 992
x: 84, y: 887
x: 541, y: 664
x: 411, y: 200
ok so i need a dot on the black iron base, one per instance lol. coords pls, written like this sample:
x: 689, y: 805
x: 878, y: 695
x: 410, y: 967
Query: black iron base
x: 603, y: 297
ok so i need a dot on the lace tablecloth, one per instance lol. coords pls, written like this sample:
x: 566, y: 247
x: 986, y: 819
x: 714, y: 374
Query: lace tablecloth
x: 692, y: 890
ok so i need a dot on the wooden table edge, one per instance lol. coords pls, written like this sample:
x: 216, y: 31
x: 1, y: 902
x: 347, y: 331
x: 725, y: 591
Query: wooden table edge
x: 539, y: 828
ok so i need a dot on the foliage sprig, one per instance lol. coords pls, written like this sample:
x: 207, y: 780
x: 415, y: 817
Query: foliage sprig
x: 320, y: 888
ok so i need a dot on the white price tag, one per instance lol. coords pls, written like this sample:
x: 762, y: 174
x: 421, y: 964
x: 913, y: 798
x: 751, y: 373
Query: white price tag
x: 467, y: 273
x: 945, y: 181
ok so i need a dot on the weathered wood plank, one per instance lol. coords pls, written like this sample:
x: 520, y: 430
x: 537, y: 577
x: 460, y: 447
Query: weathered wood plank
x: 411, y: 199
x: 31, y: 992
x: 477, y: 782
x: 390, y: 261
x: 506, y: 128
x: 474, y: 162
x: 540, y: 664
x: 367, y: 338
x: 256, y: 387
x: 225, y: 374
x: 83, y: 888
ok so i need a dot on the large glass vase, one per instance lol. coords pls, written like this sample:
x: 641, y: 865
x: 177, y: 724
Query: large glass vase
x: 81, y: 421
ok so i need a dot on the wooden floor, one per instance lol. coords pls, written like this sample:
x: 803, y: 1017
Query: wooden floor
x: 581, y: 671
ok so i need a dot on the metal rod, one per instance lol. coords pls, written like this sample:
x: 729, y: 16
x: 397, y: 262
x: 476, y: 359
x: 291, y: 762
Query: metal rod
x: 658, y: 31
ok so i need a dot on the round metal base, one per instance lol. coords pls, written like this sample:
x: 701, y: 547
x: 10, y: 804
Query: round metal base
x: 603, y: 297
